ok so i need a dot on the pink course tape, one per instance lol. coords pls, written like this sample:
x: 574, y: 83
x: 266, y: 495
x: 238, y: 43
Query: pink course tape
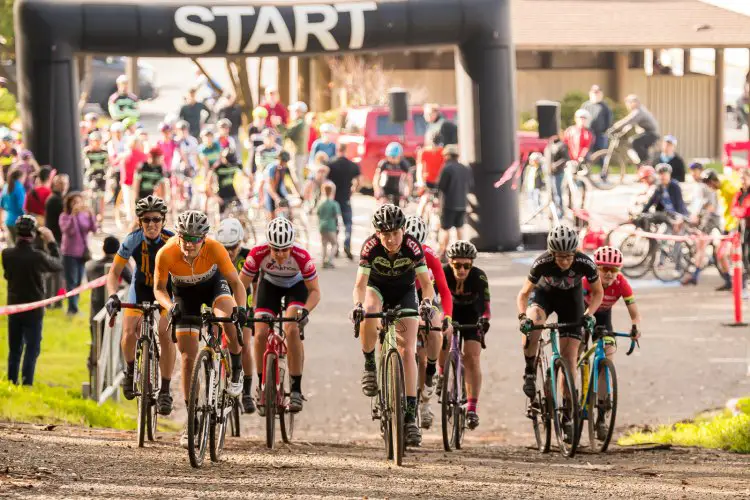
x: 18, y: 308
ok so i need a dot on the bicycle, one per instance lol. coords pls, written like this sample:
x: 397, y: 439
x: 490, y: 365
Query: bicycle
x: 275, y: 381
x: 422, y: 336
x: 453, y: 392
x: 549, y: 405
x: 209, y: 406
x: 148, y: 381
x: 390, y: 403
x: 612, y: 161
x: 431, y: 214
x: 591, y: 407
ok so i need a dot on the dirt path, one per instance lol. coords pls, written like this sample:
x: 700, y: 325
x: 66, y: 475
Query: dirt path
x: 73, y: 462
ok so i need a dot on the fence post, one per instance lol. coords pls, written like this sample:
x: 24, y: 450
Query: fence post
x: 737, y: 280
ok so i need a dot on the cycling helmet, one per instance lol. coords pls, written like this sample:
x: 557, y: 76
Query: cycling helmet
x: 91, y: 117
x: 156, y: 151
x: 207, y: 131
x: 129, y: 122
x: 116, y: 127
x: 193, y: 223
x: 164, y: 127
x: 182, y: 125
x: 645, y: 172
x: 394, y: 150
x: 26, y: 226
x: 122, y: 79
x: 388, y: 217
x: 280, y: 233
x: 299, y: 106
x: 583, y: 114
x: 663, y: 167
x: 327, y: 128
x: 284, y: 156
x: 696, y: 165
x: 231, y: 232
x: 608, y: 256
x: 150, y: 203
x: 260, y: 112
x: 536, y: 157
x: 462, y: 249
x: 224, y: 123
x: 709, y: 175
x: 95, y: 136
x: 562, y: 239
x: 416, y: 227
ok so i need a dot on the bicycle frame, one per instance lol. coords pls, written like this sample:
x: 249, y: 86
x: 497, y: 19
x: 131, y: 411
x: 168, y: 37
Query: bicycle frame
x: 590, y: 382
x: 553, y: 340
x: 275, y: 345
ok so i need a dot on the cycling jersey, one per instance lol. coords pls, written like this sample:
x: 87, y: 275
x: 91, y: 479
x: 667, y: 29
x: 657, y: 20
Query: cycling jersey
x: 546, y: 274
x: 211, y: 153
x: 212, y: 260
x: 225, y: 173
x: 391, y: 176
x: 437, y: 276
x: 298, y: 267
x: 276, y: 177
x: 264, y: 156
x: 168, y: 149
x: 97, y: 166
x: 150, y: 176
x: 472, y: 300
x: 619, y: 288
x: 432, y: 162
x: 388, y: 271
x: 143, y: 251
x: 187, y: 148
x: 239, y: 263
x: 123, y: 106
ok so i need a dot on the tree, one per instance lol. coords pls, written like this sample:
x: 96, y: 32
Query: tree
x: 7, y: 39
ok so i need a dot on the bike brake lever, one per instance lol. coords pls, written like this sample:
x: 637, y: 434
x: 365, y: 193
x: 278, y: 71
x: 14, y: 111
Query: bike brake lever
x: 112, y: 320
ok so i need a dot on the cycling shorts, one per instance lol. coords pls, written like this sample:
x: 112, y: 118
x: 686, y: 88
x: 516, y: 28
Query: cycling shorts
x: 270, y: 297
x: 467, y: 316
x: 568, y: 304
x: 604, y: 318
x: 397, y: 297
x: 139, y: 293
x: 192, y: 297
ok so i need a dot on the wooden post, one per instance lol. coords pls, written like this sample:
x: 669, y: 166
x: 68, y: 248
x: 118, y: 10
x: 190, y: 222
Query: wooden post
x: 685, y: 61
x: 284, y: 80
x: 131, y: 70
x: 303, y: 79
x: 719, y: 104
x: 320, y: 77
x: 293, y: 79
x: 621, y: 75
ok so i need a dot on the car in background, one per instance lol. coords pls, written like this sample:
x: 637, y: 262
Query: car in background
x: 367, y: 131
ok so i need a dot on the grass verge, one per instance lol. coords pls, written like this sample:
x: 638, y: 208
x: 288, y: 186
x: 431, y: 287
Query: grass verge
x: 724, y: 430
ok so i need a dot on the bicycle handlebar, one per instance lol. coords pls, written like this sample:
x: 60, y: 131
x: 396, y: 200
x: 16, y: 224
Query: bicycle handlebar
x: 210, y: 318
x: 556, y: 326
x: 633, y: 342
x: 144, y: 307
x: 470, y: 327
x: 390, y: 315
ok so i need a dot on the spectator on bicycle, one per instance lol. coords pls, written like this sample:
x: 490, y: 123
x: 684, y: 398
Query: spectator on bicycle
x: 669, y: 155
x: 455, y: 183
x: 287, y: 272
x: 601, y: 118
x: 430, y: 162
x: 642, y: 118
x: 391, y: 262
x: 609, y: 262
x: 388, y: 181
x: 470, y: 290
x: 149, y: 177
x: 345, y: 175
x: 440, y: 131
x: 667, y: 197
x: 142, y: 246
x: 255, y: 137
x: 225, y: 170
x: 168, y: 146
x: 202, y: 274
x: 555, y: 285
x: 267, y: 153
x: 231, y: 234
x: 578, y: 138
x: 326, y: 143
x: 209, y: 151
x: 274, y: 184
x: 187, y: 149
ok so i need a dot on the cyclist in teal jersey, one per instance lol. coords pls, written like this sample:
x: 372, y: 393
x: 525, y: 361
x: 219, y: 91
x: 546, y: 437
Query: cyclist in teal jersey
x: 209, y: 151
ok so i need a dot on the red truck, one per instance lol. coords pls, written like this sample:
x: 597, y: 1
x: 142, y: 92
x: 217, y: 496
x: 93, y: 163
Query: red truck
x: 367, y: 131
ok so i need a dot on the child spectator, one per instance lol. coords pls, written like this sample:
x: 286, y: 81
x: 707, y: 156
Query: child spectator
x: 329, y: 213
x: 578, y: 137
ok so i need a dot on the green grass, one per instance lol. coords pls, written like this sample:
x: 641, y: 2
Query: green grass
x: 61, y: 368
x: 720, y: 431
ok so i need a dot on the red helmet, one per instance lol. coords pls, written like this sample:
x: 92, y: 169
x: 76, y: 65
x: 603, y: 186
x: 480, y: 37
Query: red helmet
x: 645, y: 172
x: 156, y: 151
x: 608, y: 256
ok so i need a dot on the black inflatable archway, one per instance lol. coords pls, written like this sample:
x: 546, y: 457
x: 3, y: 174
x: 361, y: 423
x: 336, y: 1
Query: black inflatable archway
x: 50, y: 32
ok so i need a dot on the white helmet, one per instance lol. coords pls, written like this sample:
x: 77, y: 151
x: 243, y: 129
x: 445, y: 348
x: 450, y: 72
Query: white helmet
x: 280, y: 233
x: 299, y: 106
x: 562, y: 239
x: 327, y: 128
x: 416, y: 227
x: 582, y: 113
x: 230, y: 232
x: 117, y: 127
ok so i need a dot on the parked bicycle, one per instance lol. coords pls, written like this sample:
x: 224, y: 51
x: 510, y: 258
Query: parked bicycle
x: 148, y: 380
x: 453, y: 391
x: 555, y: 403
x: 598, y: 404
x: 209, y: 406
x: 390, y: 403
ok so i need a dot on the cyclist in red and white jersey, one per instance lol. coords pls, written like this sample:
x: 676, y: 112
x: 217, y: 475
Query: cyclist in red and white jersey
x: 428, y: 354
x: 288, y: 272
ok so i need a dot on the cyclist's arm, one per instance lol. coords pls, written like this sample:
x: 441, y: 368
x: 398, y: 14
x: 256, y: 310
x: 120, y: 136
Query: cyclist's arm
x: 522, y: 300
x: 596, y: 294
x: 376, y: 182
x: 161, y: 277
x: 485, y: 295
x: 635, y: 315
x: 360, y: 285
x: 428, y: 292
x: 313, y: 293
x: 113, y: 277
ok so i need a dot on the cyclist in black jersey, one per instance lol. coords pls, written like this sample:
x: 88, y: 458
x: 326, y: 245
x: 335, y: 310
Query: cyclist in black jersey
x: 554, y: 285
x: 231, y: 235
x: 149, y: 177
x: 390, y: 263
x: 388, y: 181
x: 471, y: 305
x: 224, y: 171
x: 97, y: 168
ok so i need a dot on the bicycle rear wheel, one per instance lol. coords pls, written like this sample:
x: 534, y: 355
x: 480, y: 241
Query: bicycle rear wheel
x: 672, y: 260
x: 448, y: 403
x: 539, y: 410
x: 615, y: 165
x: 234, y: 419
x: 199, y: 411
x: 637, y: 254
x: 220, y: 419
x: 269, y: 393
x: 396, y: 398
x: 565, y: 412
x: 603, y: 412
x: 142, y: 387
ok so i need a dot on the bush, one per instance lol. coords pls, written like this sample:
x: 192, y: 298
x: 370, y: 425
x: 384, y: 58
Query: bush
x: 571, y: 103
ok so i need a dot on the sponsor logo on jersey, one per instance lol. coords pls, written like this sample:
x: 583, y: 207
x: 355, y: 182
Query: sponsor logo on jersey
x: 195, y: 278
x: 413, y: 245
x: 368, y: 246
x: 385, y: 267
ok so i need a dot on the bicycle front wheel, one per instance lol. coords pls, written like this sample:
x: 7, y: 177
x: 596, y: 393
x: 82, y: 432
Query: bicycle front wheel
x: 449, y: 400
x: 269, y: 393
x: 222, y: 415
x: 286, y: 417
x: 600, y: 170
x: 234, y: 419
x: 672, y: 260
x: 602, y: 408
x: 565, y: 410
x: 199, y: 409
x: 142, y: 387
x: 539, y: 410
x: 396, y: 404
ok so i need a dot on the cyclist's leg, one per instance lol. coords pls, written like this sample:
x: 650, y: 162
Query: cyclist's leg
x: 407, y: 342
x: 369, y: 334
x: 268, y: 304
x: 471, y: 352
x: 187, y: 343
x: 538, y: 310
x: 167, y: 351
x: 130, y: 320
x: 569, y: 307
x: 296, y: 298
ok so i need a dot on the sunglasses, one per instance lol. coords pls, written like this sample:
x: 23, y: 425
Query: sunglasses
x: 458, y: 266
x: 192, y: 239
x: 149, y: 220
x: 610, y: 270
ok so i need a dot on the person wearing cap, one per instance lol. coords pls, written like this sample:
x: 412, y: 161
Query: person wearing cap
x: 25, y: 267
x: 149, y: 176
x: 8, y: 105
x: 578, y: 137
x: 667, y: 198
x: 193, y: 112
x: 8, y: 153
x: 277, y: 113
x: 440, y: 131
x: 225, y: 139
x: 296, y: 132
x: 275, y: 184
x: 36, y: 198
x: 669, y: 155
x: 168, y: 146
x: 642, y: 118
x: 600, y: 118
x: 209, y: 151
x: 326, y: 143
x: 123, y: 103
x: 455, y: 183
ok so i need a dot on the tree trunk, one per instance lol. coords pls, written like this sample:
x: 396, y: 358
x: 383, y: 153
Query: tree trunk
x: 244, y: 81
x: 86, y: 73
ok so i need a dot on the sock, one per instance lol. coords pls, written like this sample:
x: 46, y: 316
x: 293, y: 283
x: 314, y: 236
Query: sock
x: 236, y: 364
x: 165, y: 385
x: 296, y: 383
x: 530, y: 363
x: 411, y: 409
x: 370, y: 360
x: 471, y: 405
x: 440, y: 370
x: 430, y: 369
x: 131, y: 367
x: 260, y: 377
x: 247, y: 384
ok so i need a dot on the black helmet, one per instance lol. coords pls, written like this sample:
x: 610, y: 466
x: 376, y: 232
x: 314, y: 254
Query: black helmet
x: 26, y: 226
x: 150, y: 203
x: 388, y: 217
x: 284, y: 156
x: 709, y: 175
x: 462, y: 250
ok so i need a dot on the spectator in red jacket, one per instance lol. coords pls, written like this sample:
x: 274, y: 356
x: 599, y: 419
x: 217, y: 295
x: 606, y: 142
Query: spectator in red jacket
x: 741, y: 210
x: 275, y: 108
x: 37, y: 197
x: 579, y: 138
